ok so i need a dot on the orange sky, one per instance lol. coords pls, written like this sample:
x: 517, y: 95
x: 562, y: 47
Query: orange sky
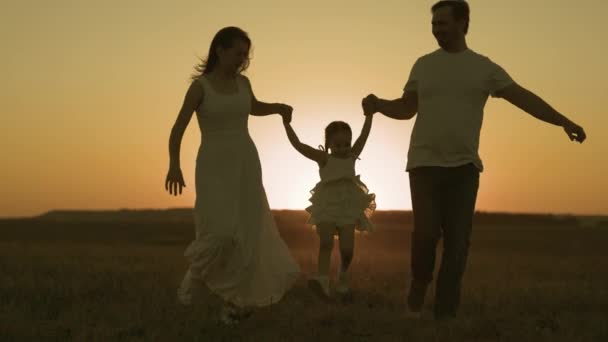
x: 91, y: 89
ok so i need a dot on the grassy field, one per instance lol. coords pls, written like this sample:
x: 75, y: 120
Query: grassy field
x: 113, y: 278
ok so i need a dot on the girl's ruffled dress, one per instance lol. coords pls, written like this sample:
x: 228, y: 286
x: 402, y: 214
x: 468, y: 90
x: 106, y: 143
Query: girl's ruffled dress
x: 341, y: 197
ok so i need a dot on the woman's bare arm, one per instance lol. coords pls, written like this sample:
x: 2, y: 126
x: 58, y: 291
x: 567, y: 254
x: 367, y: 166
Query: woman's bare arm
x: 192, y: 100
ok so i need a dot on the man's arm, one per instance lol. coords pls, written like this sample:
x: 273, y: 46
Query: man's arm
x: 403, y: 108
x: 538, y: 108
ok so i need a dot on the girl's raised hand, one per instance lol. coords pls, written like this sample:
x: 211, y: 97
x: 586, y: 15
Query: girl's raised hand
x: 369, y: 104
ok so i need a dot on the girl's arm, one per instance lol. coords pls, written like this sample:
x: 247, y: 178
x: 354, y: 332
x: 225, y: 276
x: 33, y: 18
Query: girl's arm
x: 307, y: 151
x: 360, y: 143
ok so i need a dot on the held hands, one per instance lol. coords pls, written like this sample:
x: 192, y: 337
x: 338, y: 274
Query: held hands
x: 285, y: 112
x: 174, y: 180
x: 574, y: 131
x: 370, y: 104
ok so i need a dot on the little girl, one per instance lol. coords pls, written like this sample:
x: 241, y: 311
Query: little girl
x: 340, y: 201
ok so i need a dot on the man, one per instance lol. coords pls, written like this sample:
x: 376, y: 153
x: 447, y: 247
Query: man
x: 448, y: 89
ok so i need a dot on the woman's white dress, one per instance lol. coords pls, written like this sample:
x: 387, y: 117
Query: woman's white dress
x: 237, y: 252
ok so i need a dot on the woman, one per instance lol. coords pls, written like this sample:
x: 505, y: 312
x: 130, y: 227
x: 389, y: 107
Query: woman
x: 237, y: 251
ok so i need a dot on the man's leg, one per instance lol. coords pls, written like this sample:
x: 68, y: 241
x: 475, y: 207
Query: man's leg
x: 426, y: 232
x: 459, y: 197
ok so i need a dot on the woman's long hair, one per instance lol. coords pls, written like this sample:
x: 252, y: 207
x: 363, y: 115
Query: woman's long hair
x: 224, y: 38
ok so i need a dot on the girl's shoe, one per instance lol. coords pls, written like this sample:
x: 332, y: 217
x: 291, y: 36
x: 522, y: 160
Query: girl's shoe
x: 343, y: 286
x: 320, y: 286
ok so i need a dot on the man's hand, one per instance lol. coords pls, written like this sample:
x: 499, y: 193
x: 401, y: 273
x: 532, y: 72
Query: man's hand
x: 370, y: 104
x: 574, y: 131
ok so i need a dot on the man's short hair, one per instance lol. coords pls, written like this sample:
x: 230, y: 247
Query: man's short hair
x: 460, y: 10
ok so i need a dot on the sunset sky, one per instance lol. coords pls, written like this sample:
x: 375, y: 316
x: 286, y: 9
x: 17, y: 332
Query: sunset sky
x: 90, y: 90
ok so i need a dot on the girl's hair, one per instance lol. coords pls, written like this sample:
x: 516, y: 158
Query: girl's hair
x: 333, y: 128
x: 224, y: 38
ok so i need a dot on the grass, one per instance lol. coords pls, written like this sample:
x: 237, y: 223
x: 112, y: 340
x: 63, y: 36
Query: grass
x: 116, y: 281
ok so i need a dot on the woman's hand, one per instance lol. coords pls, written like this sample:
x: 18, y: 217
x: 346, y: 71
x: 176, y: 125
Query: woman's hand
x: 285, y: 112
x: 174, y: 180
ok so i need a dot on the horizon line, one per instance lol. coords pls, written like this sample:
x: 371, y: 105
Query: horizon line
x: 289, y: 209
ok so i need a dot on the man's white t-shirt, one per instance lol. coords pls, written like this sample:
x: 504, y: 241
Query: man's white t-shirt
x: 452, y: 91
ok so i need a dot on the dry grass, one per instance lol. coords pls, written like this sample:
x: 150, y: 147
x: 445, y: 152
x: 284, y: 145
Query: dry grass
x: 104, y: 281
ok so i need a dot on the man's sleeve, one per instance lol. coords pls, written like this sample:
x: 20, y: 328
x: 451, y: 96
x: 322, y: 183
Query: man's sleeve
x: 412, y: 82
x: 498, y: 79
